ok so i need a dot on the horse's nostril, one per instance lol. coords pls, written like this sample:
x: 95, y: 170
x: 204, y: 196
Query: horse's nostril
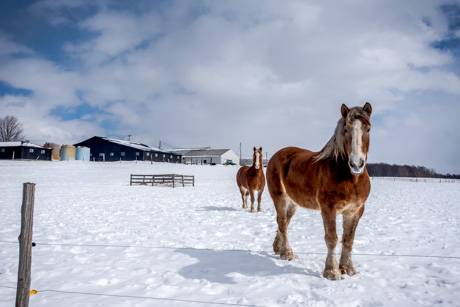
x: 361, y: 163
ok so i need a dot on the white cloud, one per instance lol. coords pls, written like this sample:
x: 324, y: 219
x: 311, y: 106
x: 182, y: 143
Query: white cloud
x: 8, y: 47
x: 39, y: 126
x: 270, y: 73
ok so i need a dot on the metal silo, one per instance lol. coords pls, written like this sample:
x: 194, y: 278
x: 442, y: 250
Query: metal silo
x: 67, y: 152
x: 82, y: 153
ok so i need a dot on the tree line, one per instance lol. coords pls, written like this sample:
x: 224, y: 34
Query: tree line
x: 394, y: 170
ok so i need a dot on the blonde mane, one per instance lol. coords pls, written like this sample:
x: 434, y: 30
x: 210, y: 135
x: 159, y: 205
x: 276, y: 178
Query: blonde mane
x: 334, y: 147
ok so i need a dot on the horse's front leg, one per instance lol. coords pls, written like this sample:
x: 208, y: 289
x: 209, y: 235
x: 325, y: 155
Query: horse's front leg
x: 331, y: 270
x: 259, y: 200
x: 350, y: 222
x: 251, y: 194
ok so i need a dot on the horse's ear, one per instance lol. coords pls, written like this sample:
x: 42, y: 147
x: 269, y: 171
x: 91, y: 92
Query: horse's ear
x: 344, y: 110
x: 367, y: 108
x: 255, y: 148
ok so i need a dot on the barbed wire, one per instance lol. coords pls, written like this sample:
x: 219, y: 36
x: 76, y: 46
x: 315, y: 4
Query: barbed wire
x: 137, y: 297
x: 224, y: 250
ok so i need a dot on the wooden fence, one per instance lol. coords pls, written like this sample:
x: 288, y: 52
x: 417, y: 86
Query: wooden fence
x: 165, y: 179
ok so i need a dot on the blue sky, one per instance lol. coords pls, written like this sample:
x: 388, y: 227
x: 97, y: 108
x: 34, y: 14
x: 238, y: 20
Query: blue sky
x: 269, y: 73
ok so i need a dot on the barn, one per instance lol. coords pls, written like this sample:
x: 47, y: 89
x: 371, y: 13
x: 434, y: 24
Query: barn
x: 24, y: 150
x: 209, y: 156
x: 112, y: 149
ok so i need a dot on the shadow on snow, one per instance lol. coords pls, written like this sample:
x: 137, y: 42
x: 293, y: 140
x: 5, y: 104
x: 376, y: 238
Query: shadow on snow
x: 215, y: 266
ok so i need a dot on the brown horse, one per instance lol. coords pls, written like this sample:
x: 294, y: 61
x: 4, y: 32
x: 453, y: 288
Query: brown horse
x: 333, y: 180
x: 251, y: 180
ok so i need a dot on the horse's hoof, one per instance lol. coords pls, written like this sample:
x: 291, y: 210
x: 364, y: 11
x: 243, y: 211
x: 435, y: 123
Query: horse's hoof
x: 276, y: 248
x: 252, y: 210
x: 259, y: 210
x: 287, y: 255
x: 332, y: 274
x: 349, y: 270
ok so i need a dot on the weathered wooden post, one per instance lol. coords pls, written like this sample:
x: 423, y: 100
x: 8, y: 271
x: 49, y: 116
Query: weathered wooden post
x: 25, y: 245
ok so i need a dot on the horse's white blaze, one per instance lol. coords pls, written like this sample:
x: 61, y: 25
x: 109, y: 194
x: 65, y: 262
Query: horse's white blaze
x: 357, y: 154
x: 257, y: 164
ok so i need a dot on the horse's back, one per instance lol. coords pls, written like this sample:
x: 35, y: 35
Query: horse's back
x: 285, y: 171
x: 281, y: 161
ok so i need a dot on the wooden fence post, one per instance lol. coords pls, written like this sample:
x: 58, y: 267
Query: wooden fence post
x: 25, y: 245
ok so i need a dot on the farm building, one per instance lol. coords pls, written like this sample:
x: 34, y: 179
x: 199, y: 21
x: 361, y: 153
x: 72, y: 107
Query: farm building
x: 111, y: 149
x: 24, y: 150
x: 248, y: 162
x: 209, y: 156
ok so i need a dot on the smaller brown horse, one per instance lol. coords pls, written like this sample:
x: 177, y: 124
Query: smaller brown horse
x: 251, y: 180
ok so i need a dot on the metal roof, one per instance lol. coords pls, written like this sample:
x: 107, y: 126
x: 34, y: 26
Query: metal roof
x: 18, y: 144
x: 205, y: 152
x: 134, y: 145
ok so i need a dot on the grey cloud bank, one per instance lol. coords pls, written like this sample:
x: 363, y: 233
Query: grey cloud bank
x: 270, y: 73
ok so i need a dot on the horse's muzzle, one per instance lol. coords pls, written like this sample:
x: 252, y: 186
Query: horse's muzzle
x: 356, y: 168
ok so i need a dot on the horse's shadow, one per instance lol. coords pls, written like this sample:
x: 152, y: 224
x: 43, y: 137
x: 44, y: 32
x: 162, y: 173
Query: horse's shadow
x: 215, y: 266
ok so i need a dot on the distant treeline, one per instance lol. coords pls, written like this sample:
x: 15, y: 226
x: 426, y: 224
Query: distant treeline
x: 393, y: 170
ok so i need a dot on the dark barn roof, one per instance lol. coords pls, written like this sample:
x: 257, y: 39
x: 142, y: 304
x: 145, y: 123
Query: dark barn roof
x: 135, y: 145
x: 112, y: 149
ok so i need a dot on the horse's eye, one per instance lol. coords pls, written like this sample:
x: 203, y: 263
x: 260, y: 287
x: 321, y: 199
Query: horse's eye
x: 368, y: 129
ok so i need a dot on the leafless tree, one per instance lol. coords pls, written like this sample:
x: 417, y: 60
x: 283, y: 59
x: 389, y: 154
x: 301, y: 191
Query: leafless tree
x: 10, y: 129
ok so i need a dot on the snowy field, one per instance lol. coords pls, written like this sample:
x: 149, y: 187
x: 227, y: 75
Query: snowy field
x: 197, y: 244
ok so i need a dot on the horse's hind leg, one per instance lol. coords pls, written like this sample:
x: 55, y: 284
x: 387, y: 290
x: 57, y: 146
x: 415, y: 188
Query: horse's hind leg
x: 243, y: 196
x: 350, y: 222
x: 331, y: 270
x: 284, y: 212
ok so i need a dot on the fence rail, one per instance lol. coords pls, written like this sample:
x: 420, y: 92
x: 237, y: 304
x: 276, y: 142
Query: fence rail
x: 162, y: 179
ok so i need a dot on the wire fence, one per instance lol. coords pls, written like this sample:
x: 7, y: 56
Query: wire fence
x: 224, y: 250
x: 136, y: 297
x: 188, y: 301
x: 417, y: 179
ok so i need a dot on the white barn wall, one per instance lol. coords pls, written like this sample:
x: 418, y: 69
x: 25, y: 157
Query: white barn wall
x: 217, y: 159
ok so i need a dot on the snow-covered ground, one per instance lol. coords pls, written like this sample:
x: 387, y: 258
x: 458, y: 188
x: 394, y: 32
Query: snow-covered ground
x: 197, y: 244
